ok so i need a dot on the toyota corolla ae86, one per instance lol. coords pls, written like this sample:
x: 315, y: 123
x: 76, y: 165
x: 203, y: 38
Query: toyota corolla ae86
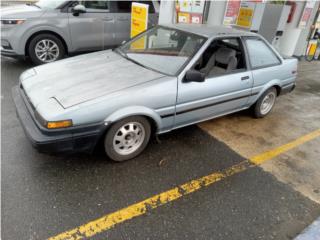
x: 165, y: 78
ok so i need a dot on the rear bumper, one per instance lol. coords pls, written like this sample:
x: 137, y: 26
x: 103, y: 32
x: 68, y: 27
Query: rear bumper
x: 76, y: 139
x: 287, y: 88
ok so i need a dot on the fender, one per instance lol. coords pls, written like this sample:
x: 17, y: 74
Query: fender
x: 39, y: 28
x: 272, y: 83
x: 134, y: 111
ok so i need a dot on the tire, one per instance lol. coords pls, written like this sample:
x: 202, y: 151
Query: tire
x: 43, y: 42
x: 127, y: 138
x: 265, y: 103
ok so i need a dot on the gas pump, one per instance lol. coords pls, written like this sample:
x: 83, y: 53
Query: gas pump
x: 273, y: 22
x: 313, y: 48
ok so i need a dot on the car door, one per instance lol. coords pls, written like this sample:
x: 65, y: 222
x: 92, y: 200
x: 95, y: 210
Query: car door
x: 217, y: 95
x: 91, y: 30
x: 122, y: 10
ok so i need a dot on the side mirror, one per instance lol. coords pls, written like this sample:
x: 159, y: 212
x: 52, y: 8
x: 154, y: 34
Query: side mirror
x: 78, y: 9
x: 194, y: 76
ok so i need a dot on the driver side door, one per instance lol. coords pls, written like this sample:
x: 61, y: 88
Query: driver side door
x: 216, y: 95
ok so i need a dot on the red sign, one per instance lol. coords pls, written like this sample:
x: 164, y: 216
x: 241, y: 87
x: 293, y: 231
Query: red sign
x: 232, y: 8
x: 306, y: 14
x: 231, y: 12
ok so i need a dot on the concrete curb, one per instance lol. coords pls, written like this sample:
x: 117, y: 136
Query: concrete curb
x: 312, y: 232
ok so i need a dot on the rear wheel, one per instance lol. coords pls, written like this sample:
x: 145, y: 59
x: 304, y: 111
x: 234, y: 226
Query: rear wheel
x: 265, y: 103
x: 45, y: 48
x: 127, y: 138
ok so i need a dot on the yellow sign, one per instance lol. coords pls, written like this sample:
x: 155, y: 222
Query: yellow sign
x: 245, y: 17
x: 312, y: 47
x: 139, y: 18
x: 139, y: 23
x: 183, y: 17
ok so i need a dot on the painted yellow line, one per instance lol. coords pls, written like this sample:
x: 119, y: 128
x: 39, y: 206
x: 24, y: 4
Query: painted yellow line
x: 284, y: 148
x: 110, y: 220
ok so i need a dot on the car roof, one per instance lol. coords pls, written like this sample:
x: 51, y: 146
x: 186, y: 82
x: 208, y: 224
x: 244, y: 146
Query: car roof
x: 210, y: 31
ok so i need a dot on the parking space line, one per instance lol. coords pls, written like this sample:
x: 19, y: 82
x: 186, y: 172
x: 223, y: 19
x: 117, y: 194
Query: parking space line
x: 137, y: 209
x: 284, y: 148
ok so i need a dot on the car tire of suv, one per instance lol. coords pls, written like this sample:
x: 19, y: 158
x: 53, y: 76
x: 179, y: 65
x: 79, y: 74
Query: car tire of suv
x: 265, y: 103
x: 127, y: 138
x: 40, y: 44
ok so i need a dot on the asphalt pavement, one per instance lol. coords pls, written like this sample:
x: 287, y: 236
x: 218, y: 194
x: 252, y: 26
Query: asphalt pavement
x: 44, y: 195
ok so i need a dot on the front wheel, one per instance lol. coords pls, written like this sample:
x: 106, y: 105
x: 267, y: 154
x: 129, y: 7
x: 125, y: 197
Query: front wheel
x: 127, y: 138
x: 265, y: 103
x: 45, y: 48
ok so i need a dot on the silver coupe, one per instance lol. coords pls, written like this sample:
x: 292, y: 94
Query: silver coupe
x: 165, y: 78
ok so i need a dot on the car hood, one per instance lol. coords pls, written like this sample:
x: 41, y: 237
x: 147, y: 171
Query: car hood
x: 20, y: 11
x: 79, y: 79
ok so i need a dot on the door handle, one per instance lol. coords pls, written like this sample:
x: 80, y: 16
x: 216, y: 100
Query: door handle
x: 244, y: 78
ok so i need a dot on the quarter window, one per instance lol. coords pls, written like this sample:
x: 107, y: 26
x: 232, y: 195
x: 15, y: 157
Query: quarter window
x: 260, y: 54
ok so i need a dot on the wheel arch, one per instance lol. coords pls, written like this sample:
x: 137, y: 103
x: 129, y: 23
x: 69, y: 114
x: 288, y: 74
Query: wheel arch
x: 278, y: 88
x: 153, y: 117
x: 45, y: 32
x: 274, y: 83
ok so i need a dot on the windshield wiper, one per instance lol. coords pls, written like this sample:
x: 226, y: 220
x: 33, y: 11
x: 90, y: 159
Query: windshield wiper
x: 117, y: 50
x: 123, y: 54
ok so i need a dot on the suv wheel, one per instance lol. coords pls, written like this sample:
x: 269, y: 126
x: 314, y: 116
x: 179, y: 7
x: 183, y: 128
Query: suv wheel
x: 127, y: 138
x: 265, y: 103
x: 45, y: 48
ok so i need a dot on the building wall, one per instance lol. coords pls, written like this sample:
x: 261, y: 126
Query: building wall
x: 167, y: 12
x: 291, y: 33
x: 301, y: 45
x: 293, y: 41
x: 216, y: 12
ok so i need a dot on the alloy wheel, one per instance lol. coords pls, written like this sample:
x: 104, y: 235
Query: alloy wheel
x: 47, y: 50
x: 267, y: 103
x: 129, y: 138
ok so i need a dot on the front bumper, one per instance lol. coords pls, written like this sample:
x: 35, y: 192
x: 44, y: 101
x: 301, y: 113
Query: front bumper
x: 75, y: 139
x: 9, y: 53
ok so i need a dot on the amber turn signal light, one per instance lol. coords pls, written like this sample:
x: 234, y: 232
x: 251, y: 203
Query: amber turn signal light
x: 59, y: 124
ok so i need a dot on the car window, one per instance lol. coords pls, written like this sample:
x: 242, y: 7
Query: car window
x: 260, y: 54
x: 222, y: 56
x: 163, y: 49
x: 231, y: 41
x: 125, y: 6
x: 102, y: 5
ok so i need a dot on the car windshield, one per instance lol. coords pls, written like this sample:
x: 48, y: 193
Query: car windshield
x: 163, y: 49
x: 49, y: 4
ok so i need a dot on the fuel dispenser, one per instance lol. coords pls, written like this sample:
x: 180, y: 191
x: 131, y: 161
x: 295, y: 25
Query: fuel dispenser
x: 273, y: 22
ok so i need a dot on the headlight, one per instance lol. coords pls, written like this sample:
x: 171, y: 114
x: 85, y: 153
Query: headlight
x: 12, y: 21
x: 53, y: 124
x: 59, y: 124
